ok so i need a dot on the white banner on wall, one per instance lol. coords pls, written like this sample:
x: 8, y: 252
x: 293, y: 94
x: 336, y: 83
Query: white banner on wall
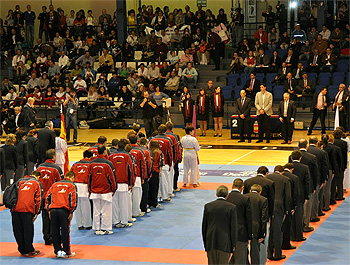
x: 168, y: 31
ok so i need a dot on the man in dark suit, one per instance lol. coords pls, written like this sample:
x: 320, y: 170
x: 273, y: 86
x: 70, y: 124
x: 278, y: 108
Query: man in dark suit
x: 281, y: 207
x: 323, y: 171
x: 337, y: 192
x: 19, y: 119
x: 305, y: 88
x: 219, y: 228
x: 282, y: 74
x: 244, y: 104
x: 29, y: 115
x: 290, y: 59
x: 319, y: 105
x: 294, y: 184
x: 244, y: 220
x: 315, y: 62
x: 302, y: 171
x: 252, y: 86
x: 259, y: 211
x: 340, y: 102
x: 297, y: 73
x: 329, y: 61
x: 290, y: 86
x: 46, y: 139
x: 275, y: 63
x: 287, y: 111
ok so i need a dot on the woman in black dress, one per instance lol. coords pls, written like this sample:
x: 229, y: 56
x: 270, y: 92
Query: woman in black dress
x: 203, y: 110
x: 218, y: 110
x: 187, y: 109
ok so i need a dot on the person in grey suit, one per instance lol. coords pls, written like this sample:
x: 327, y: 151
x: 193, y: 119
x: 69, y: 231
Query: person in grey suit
x: 259, y: 209
x: 244, y: 105
x: 263, y: 104
x: 286, y: 112
x: 29, y: 115
x: 219, y: 228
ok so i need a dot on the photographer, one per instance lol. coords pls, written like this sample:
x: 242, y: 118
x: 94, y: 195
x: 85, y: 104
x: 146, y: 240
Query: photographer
x: 148, y: 106
x: 71, y: 114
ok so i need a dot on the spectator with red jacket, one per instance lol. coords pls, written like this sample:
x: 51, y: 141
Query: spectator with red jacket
x: 82, y: 173
x: 102, y: 186
x: 122, y: 162
x: 141, y: 175
x: 61, y: 202
x: 102, y: 140
x: 30, y: 195
x: 149, y: 167
x: 50, y: 173
x: 261, y: 36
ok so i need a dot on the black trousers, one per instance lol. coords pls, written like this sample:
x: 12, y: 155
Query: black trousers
x: 286, y: 229
x: 298, y: 222
x: 144, y: 198
x: 274, y: 248
x: 23, y: 230
x: 287, y: 129
x: 215, y: 54
x: 149, y: 128
x: 60, y: 230
x: 244, y: 128
x: 264, y: 125
x: 254, y: 251
x: 342, y: 118
x: 153, y: 189
x: 176, y: 174
x: 318, y: 113
x: 337, y: 191
x: 46, y: 226
x: 218, y: 257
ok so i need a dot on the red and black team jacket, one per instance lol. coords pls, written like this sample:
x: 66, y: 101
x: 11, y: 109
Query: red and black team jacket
x: 172, y: 137
x: 179, y: 148
x: 94, y: 150
x: 149, y: 162
x: 62, y: 194
x: 50, y: 173
x: 166, y: 148
x: 102, y: 177
x: 123, y: 166
x: 81, y: 170
x: 158, y: 161
x: 139, y: 155
x: 30, y: 196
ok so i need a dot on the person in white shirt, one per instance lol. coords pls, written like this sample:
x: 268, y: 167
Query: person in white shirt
x: 132, y: 39
x: 61, y: 149
x: 17, y: 58
x: 79, y: 84
x: 142, y: 71
x: 63, y: 61
x: 153, y: 72
x: 172, y: 85
x: 325, y: 33
x: 11, y: 95
x: 165, y: 37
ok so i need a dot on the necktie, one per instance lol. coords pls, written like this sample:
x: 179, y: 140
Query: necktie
x: 290, y: 84
x: 315, y: 59
x: 284, y: 71
x: 242, y: 102
x: 305, y: 83
x: 337, y: 97
x: 251, y: 83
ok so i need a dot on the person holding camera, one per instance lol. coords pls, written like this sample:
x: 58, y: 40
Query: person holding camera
x: 148, y: 106
x: 71, y: 114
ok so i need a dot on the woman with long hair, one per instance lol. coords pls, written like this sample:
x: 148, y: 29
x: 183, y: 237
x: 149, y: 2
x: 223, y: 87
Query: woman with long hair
x: 158, y: 163
x: 218, y: 110
x: 22, y: 154
x: 187, y: 109
x: 203, y: 110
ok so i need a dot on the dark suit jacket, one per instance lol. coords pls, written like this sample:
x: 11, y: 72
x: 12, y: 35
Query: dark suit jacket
x: 29, y: 115
x: 256, y: 87
x: 219, y: 226
x: 278, y: 61
x: 344, y: 101
x: 319, y: 60
x: 245, y: 109
x: 293, y: 60
x: 322, y: 162
x: 33, y: 149
x: 2, y: 157
x: 206, y: 103
x: 294, y: 184
x: 46, y: 141
x: 333, y: 59
x: 344, y: 152
x: 292, y: 109
x: 280, y: 71
x: 311, y: 161
x: 314, y: 101
x: 282, y: 193
x: 309, y: 83
x: 20, y: 121
x: 10, y: 157
x: 286, y: 85
x: 294, y: 72
x: 302, y: 171
x: 268, y: 189
x: 22, y: 153
x: 260, y: 213
x: 244, y: 215
x: 334, y: 156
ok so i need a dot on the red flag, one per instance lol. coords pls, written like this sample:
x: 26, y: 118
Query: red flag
x: 63, y: 136
x: 194, y: 121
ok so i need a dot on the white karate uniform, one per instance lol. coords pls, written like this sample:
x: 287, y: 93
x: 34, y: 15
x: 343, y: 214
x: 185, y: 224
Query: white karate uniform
x: 136, y: 197
x: 102, y: 219
x: 171, y: 181
x: 121, y: 204
x: 190, y: 163
x: 83, y: 212
x: 61, y: 149
x: 163, y: 191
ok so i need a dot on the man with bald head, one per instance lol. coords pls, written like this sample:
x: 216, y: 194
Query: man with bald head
x: 244, y: 104
x: 29, y: 115
x: 340, y: 103
x: 287, y: 111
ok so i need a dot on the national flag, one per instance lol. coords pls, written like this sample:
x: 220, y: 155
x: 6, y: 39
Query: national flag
x: 63, y: 136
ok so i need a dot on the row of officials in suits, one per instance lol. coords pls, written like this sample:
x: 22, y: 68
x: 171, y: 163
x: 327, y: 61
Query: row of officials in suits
x: 263, y: 102
x: 262, y: 215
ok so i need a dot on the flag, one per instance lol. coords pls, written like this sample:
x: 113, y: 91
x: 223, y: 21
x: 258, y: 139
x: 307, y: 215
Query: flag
x: 336, y: 118
x: 194, y: 121
x: 63, y: 136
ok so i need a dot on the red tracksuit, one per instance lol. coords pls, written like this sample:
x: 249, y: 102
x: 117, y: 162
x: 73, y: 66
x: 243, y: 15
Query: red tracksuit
x: 61, y: 201
x: 172, y: 137
x: 166, y: 148
x: 123, y: 165
x: 139, y: 155
x: 81, y: 170
x: 94, y: 150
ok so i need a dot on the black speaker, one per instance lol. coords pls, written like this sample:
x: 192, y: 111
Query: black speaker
x: 106, y: 123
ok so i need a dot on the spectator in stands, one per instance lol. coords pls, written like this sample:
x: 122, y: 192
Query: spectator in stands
x: 61, y: 95
x: 104, y: 15
x: 153, y: 72
x: 175, y: 39
x: 215, y: 44
x: 63, y: 61
x: 320, y: 44
x: 295, y: 46
x: 290, y: 86
x: 164, y: 74
x: 249, y: 63
x: 160, y: 50
x: 261, y: 35
x: 244, y: 48
x: 134, y: 81
x: 298, y: 72
x: 114, y: 84
x: 21, y: 97
x: 270, y: 18
x: 91, y: 103
x: 337, y: 37
x: 291, y: 59
x: 53, y: 69
x: 189, y: 74
x: 173, y: 58
x: 312, y: 35
x: 29, y: 18
x: 127, y: 52
x: 305, y: 89
x: 272, y: 39
x: 325, y: 33
x: 262, y: 62
x: 42, y: 25
x: 125, y: 96
x: 275, y: 62
x: 252, y: 86
x: 315, y: 62
x: 285, y: 41
x: 21, y: 73
x: 83, y: 59
x: 49, y: 97
x: 185, y: 58
x: 115, y: 50
x: 17, y: 58
x: 172, y: 85
x: 165, y: 37
x: 282, y: 73
x: 11, y: 96
x: 52, y: 25
x: 33, y: 82
x: 329, y: 61
x: 236, y: 65
x: 299, y: 34
x: 179, y: 18
x: 80, y: 85
x: 44, y: 82
x: 147, y: 51
x: 6, y: 85
x: 106, y: 63
x: 305, y: 51
x: 159, y: 97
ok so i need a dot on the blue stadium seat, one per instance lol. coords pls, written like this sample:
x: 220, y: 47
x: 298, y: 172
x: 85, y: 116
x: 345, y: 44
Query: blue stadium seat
x: 305, y: 63
x: 244, y: 77
x: 318, y: 89
x: 278, y: 92
x: 226, y: 91
x: 270, y: 77
x: 232, y: 79
x: 348, y: 79
x: 332, y: 91
x: 260, y: 77
x: 338, y: 78
x: 237, y: 91
x: 313, y: 77
x: 343, y: 66
x: 324, y: 79
x: 269, y: 53
x: 282, y: 53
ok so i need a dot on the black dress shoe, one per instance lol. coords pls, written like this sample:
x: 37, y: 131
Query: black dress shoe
x: 215, y: 135
x: 326, y: 210
x: 249, y: 141
x: 241, y: 141
x: 308, y: 229
x: 341, y: 199
x: 259, y: 141
x: 267, y: 141
x: 279, y: 258
x: 288, y: 248
x: 332, y: 202
x: 321, y: 214
x: 315, y: 220
x: 308, y: 133
x: 299, y: 240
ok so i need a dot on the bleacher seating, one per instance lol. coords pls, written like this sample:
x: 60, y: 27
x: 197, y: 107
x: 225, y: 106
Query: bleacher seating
x: 338, y: 78
x: 332, y: 91
x: 260, y: 77
x: 226, y: 91
x: 243, y: 78
x: 324, y: 79
x: 313, y: 77
x: 343, y: 66
x: 232, y: 79
x: 278, y: 92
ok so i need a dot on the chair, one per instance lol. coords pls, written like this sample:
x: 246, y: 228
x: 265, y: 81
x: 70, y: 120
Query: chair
x: 282, y: 53
x: 118, y: 64
x: 313, y: 77
x: 237, y: 90
x: 278, y: 92
x: 348, y: 79
x: 260, y: 77
x: 244, y: 77
x: 270, y: 77
x: 269, y: 53
x: 332, y: 91
x: 232, y: 79
x: 226, y: 91
x: 304, y: 63
x: 338, y: 78
x: 132, y: 65
x: 324, y: 79
x: 343, y: 66
x: 318, y: 89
